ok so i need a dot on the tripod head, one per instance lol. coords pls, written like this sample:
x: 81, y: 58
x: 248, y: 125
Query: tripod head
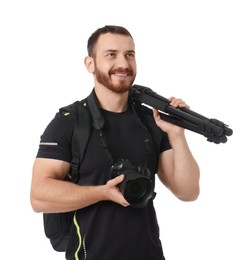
x: 214, y: 130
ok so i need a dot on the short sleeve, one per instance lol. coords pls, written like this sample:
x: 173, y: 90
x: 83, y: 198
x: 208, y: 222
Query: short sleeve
x: 55, y: 142
x: 165, y: 144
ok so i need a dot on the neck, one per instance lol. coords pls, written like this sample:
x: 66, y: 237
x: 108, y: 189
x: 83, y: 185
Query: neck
x: 111, y: 101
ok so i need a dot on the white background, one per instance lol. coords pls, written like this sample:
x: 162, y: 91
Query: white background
x: 196, y: 50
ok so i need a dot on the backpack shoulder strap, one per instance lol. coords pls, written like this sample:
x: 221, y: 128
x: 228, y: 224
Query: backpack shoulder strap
x: 85, y: 115
x: 81, y: 118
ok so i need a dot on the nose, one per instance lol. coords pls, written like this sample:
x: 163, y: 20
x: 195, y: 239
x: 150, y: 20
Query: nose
x: 122, y: 62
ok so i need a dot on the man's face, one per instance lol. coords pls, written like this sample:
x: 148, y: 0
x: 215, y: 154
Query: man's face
x: 115, y: 65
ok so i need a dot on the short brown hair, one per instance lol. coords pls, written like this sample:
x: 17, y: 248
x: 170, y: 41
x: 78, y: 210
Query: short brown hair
x: 106, y: 29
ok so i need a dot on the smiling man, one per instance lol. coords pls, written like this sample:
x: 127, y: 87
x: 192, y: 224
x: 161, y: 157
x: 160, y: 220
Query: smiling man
x: 107, y: 226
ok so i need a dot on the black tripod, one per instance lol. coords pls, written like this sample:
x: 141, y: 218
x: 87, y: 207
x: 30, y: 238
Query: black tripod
x: 213, y: 129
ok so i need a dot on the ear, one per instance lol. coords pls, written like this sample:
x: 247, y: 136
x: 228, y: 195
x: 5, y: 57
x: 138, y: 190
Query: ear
x: 90, y: 64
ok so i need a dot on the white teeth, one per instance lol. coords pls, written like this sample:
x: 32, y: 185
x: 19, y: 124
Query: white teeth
x: 121, y: 75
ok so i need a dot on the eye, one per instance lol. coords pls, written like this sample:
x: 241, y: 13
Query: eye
x: 110, y: 54
x: 130, y: 55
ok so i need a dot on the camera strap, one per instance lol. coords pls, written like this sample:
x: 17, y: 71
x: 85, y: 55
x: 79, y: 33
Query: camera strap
x: 98, y: 123
x: 148, y: 138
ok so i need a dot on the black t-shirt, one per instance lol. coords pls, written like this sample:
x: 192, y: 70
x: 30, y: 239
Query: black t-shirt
x: 106, y: 230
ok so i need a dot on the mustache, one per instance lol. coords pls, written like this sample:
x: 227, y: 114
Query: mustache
x: 121, y: 70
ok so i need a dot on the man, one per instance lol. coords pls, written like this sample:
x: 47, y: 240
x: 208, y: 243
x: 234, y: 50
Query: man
x: 109, y: 228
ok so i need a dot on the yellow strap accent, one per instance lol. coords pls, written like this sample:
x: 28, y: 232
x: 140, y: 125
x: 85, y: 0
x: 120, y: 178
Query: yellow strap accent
x: 79, y: 236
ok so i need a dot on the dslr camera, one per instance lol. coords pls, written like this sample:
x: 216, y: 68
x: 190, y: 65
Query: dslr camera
x: 137, y: 186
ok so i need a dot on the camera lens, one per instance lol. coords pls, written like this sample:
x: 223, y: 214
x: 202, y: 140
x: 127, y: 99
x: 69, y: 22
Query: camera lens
x: 137, y: 190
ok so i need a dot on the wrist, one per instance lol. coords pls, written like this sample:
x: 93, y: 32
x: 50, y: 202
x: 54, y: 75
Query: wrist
x: 177, y: 139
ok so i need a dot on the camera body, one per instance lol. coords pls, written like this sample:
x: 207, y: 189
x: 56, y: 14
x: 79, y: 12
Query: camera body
x: 137, y: 186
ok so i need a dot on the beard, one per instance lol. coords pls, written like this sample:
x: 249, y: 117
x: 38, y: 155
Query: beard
x: 121, y: 87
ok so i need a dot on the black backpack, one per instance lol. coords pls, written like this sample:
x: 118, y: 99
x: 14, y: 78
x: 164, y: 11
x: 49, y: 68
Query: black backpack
x: 86, y: 115
x: 57, y: 225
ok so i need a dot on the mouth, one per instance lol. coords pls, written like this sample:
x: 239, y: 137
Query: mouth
x: 121, y: 75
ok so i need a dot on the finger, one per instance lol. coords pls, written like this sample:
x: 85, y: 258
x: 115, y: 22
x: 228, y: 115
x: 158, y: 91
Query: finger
x: 171, y: 98
x: 155, y: 113
x: 157, y: 117
x: 182, y: 104
x: 178, y: 102
x: 175, y: 102
x: 185, y: 105
x: 118, y: 179
x: 124, y: 202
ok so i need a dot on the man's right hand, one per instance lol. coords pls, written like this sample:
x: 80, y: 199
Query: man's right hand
x: 113, y: 193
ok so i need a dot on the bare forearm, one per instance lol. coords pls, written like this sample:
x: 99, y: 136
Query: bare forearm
x: 186, y: 172
x: 62, y: 196
x: 179, y: 171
